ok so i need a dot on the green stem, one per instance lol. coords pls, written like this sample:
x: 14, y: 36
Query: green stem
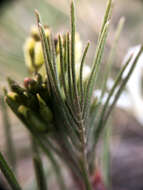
x: 38, y: 166
x: 9, y: 175
x: 85, y: 175
x: 83, y: 157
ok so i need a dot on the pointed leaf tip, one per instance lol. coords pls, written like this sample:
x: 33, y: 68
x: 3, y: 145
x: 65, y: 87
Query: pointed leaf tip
x: 37, y: 15
x: 72, y: 7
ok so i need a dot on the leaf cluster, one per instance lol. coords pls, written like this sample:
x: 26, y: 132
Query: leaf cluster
x: 60, y: 111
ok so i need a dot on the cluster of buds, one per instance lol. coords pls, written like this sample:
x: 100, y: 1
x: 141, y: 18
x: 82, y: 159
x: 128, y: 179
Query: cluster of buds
x: 30, y: 103
x: 34, y: 57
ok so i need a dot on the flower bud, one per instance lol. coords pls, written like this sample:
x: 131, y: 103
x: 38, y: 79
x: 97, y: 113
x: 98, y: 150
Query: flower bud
x: 35, y: 33
x: 42, y: 72
x: 31, y: 85
x: 27, y: 82
x: 29, y: 53
x: 29, y: 45
x: 46, y: 113
x: 43, y: 92
x: 38, y: 52
x: 13, y: 96
x: 23, y: 110
x: 32, y: 119
x: 11, y: 100
x: 44, y: 110
x: 38, y: 78
x: 32, y: 101
x: 15, y: 86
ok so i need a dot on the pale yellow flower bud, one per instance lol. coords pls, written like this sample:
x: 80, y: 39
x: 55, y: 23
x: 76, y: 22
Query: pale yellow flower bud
x: 29, y: 44
x: 44, y: 110
x: 42, y: 71
x: 38, y: 52
x: 23, y: 110
x: 29, y: 53
x: 12, y: 95
x: 35, y: 32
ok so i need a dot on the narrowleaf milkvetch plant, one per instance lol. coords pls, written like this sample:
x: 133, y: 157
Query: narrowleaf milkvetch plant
x: 57, y: 106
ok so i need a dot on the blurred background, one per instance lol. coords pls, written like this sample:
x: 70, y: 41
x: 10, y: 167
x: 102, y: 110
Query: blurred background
x: 16, y: 18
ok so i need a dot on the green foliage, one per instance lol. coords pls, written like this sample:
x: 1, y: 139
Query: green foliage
x: 58, y: 107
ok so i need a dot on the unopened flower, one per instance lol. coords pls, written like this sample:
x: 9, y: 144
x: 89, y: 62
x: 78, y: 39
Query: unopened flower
x: 33, y: 49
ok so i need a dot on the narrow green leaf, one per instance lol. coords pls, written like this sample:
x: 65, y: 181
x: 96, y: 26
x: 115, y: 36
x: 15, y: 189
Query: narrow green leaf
x: 10, y: 149
x: 81, y: 74
x: 94, y: 71
x: 9, y: 175
x: 116, y: 83
x: 105, y: 114
x: 54, y: 58
x: 62, y: 67
x: 73, y: 72
x: 73, y: 48
x: 47, y: 57
x: 124, y: 82
x: 112, y: 54
x: 98, y: 56
x: 107, y: 15
x: 106, y: 160
x: 69, y: 70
